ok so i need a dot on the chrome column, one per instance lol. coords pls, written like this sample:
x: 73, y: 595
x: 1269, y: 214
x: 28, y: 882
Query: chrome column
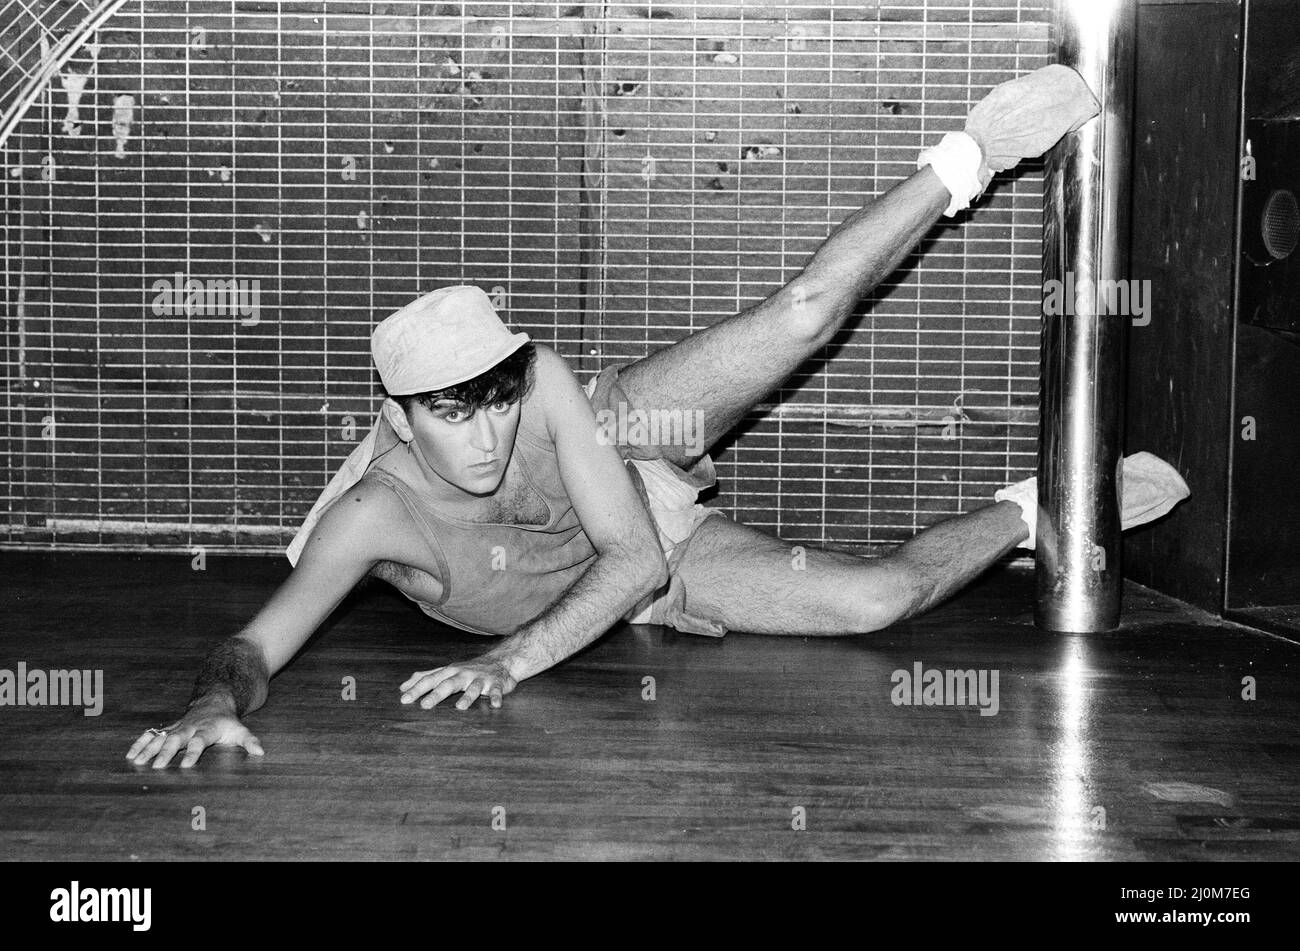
x: 1085, y: 240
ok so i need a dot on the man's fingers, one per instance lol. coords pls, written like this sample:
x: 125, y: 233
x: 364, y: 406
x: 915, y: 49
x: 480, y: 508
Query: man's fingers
x: 154, y: 744
x: 139, y: 745
x: 168, y: 750
x: 162, y: 748
x: 475, y: 680
x: 427, y: 682
x: 416, y: 676
x: 446, y: 688
x: 472, y: 692
x: 201, y: 740
x: 420, y: 684
x: 193, y: 750
x: 411, y: 680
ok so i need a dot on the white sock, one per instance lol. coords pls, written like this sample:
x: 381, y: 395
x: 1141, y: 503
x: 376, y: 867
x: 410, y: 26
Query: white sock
x: 957, y: 161
x: 1024, y: 494
x: 1150, y: 488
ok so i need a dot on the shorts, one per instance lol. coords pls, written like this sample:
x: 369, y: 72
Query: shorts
x: 669, y: 492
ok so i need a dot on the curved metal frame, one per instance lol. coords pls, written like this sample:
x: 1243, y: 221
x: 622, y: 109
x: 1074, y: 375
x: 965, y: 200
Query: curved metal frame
x: 56, y: 59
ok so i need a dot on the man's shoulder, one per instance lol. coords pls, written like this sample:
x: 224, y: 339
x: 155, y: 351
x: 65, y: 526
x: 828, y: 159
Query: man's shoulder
x: 552, y: 379
x: 550, y: 366
x: 370, y: 516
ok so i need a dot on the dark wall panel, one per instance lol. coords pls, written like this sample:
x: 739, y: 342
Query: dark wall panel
x: 1184, y: 205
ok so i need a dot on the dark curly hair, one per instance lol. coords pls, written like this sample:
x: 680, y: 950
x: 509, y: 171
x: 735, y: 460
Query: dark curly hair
x: 510, y: 381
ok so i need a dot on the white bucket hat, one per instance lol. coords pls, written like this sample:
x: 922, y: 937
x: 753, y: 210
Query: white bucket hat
x: 446, y: 337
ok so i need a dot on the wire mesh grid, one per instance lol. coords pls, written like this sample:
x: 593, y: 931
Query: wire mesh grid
x: 211, y: 204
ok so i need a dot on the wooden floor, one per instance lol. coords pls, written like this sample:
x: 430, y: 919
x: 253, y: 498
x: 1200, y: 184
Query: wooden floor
x: 1130, y: 745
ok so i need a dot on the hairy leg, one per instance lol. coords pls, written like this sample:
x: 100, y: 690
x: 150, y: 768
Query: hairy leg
x: 755, y: 582
x: 724, y: 370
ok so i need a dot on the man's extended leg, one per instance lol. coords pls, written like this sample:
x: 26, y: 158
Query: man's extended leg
x: 755, y: 582
x: 724, y: 370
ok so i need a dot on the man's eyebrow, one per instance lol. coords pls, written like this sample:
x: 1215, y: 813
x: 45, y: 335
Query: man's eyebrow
x: 446, y: 403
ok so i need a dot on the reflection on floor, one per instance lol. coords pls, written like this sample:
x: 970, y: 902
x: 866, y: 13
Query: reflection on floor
x: 1135, y: 744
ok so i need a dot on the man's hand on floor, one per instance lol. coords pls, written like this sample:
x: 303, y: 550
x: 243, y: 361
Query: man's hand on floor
x: 485, y: 676
x: 202, y: 726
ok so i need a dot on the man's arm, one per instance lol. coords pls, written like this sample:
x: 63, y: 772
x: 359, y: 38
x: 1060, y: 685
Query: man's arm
x: 235, y: 676
x: 629, y: 563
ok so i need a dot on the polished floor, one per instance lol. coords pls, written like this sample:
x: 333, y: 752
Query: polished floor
x: 1132, y: 745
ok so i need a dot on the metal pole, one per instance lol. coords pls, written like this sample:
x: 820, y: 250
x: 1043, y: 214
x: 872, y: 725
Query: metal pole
x: 1085, y: 241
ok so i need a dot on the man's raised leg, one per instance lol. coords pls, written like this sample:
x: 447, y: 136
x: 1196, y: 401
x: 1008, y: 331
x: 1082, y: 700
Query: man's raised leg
x: 724, y: 370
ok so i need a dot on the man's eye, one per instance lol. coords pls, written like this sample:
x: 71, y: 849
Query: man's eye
x: 455, y: 416
x: 501, y: 406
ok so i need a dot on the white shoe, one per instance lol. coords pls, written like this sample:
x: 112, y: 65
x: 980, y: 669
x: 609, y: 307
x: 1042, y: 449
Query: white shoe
x: 1149, y: 488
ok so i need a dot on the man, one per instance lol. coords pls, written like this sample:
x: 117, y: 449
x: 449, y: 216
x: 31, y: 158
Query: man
x: 487, y: 493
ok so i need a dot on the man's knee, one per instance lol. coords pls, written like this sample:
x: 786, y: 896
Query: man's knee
x: 814, y: 316
x: 890, y: 594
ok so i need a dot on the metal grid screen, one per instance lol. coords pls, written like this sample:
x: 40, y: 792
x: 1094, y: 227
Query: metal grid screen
x: 212, y: 204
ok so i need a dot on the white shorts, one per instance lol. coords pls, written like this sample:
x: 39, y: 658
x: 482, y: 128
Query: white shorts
x: 669, y: 492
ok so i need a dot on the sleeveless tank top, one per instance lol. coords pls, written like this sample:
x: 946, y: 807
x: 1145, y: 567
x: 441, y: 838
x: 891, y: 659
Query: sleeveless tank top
x: 498, y: 577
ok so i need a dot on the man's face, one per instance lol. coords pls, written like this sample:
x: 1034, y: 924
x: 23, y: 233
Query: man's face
x: 468, y: 451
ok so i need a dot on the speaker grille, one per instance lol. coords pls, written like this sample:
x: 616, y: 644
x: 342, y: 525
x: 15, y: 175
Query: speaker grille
x: 1280, y: 223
